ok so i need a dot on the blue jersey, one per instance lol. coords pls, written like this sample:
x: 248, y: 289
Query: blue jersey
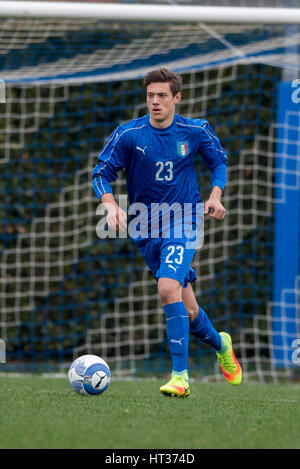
x: 159, y: 163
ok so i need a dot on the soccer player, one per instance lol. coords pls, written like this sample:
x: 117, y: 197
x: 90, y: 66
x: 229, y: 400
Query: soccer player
x: 157, y: 152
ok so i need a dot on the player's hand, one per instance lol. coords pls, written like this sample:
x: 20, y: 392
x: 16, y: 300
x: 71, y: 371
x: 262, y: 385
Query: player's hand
x: 214, y: 208
x: 116, y: 218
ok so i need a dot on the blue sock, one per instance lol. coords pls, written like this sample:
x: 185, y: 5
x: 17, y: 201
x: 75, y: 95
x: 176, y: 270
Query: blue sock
x: 202, y: 328
x: 177, y: 324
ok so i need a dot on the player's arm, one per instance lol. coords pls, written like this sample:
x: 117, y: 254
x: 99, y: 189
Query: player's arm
x: 110, y: 161
x: 116, y: 217
x: 215, y: 158
x: 214, y: 206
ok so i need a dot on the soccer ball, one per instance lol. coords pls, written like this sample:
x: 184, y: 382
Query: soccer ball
x: 89, y: 375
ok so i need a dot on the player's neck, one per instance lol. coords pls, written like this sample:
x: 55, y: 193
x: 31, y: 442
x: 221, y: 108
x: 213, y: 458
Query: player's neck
x: 163, y: 123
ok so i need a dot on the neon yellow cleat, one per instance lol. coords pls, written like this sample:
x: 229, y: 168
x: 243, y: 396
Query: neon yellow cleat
x: 176, y: 387
x: 229, y: 365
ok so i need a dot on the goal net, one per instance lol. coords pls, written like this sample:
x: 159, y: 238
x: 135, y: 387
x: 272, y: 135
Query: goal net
x: 64, y: 291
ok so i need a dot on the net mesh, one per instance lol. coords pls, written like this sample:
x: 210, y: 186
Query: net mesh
x: 64, y: 291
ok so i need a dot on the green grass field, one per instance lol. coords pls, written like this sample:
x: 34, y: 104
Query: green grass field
x: 39, y: 412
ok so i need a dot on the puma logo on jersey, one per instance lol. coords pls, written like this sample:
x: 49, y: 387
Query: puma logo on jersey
x: 172, y: 267
x: 143, y: 150
x: 174, y: 341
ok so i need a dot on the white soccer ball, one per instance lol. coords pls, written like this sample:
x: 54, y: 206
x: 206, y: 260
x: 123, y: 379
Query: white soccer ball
x: 89, y: 375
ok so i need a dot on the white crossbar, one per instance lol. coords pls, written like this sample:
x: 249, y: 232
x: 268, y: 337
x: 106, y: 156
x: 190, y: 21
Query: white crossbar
x: 150, y: 12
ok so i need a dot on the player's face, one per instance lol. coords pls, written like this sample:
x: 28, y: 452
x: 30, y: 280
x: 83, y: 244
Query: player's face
x: 161, y: 104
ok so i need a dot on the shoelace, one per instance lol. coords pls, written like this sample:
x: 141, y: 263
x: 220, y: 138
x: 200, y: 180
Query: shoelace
x: 180, y: 381
x: 226, y: 360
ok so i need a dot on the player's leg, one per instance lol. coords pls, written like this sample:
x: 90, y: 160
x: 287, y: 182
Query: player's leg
x: 174, y: 272
x: 177, y: 319
x: 170, y: 290
x: 190, y: 302
x: 177, y: 326
x: 201, y: 327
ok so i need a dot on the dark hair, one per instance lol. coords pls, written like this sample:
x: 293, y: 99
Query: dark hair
x: 163, y: 75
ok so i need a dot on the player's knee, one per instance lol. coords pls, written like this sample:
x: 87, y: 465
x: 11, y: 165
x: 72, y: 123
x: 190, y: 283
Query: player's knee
x: 193, y: 312
x: 169, y: 291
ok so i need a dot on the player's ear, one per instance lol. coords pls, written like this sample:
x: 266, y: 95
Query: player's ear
x: 177, y: 97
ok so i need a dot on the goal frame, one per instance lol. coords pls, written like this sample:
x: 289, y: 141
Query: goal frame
x: 148, y: 12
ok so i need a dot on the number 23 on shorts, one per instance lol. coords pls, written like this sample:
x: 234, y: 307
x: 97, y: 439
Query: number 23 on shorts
x: 177, y: 251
